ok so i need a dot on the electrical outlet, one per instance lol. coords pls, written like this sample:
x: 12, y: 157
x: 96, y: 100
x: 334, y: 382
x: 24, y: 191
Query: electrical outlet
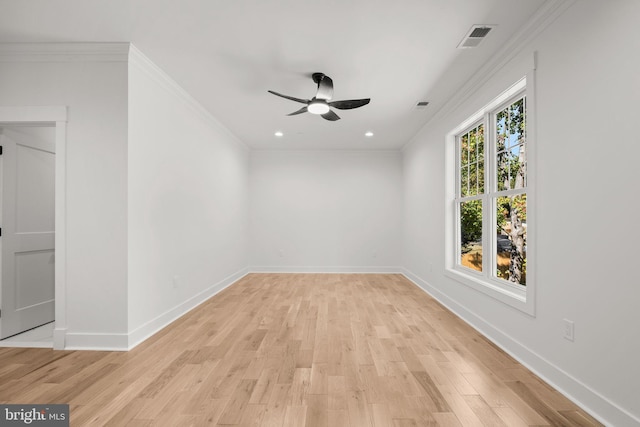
x: 374, y: 254
x: 176, y: 281
x: 281, y: 253
x: 568, y: 329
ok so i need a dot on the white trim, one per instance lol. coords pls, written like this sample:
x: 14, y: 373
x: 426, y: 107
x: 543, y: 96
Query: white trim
x: 64, y: 52
x: 326, y: 269
x: 59, y: 337
x: 139, y: 60
x: 96, y: 341
x: 153, y: 326
x: 521, y: 298
x: 52, y: 115
x: 277, y: 152
x: 61, y: 236
x: 26, y: 115
x: 599, y: 406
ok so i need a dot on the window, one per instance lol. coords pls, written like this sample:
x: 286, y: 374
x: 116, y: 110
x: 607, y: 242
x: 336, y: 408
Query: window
x: 490, y: 198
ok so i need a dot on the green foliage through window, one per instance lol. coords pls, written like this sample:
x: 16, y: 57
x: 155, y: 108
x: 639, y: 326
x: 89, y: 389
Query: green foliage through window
x: 507, y: 194
x: 472, y: 162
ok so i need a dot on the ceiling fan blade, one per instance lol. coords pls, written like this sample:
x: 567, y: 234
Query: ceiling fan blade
x: 303, y: 101
x: 300, y: 111
x: 331, y: 116
x: 349, y: 104
x: 325, y: 88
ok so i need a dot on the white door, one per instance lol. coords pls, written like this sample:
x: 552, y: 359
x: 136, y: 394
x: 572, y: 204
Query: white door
x: 28, y: 228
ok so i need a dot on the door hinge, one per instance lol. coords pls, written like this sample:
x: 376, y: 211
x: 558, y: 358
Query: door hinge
x: 0, y: 150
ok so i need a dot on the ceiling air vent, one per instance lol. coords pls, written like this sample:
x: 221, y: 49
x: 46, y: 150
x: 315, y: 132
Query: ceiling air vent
x: 422, y: 105
x: 476, y: 34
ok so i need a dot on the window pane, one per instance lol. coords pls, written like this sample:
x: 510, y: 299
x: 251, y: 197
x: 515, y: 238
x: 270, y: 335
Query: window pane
x: 464, y: 180
x: 473, y: 179
x: 502, y: 164
x: 464, y: 149
x: 481, y: 177
x: 517, y: 122
x: 501, y: 130
x: 511, y: 172
x: 471, y: 146
x: 473, y: 143
x: 480, y: 142
x: 511, y: 238
x: 517, y: 169
x: 471, y: 234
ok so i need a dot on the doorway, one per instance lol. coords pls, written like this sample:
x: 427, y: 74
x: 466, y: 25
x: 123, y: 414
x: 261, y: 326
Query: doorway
x: 27, y: 215
x: 32, y: 239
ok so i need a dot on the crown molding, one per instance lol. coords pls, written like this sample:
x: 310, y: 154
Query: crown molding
x: 329, y: 152
x: 544, y: 16
x: 139, y: 60
x: 64, y: 52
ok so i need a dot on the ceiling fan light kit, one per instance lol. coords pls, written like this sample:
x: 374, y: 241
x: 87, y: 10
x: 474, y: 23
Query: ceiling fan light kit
x: 318, y: 107
x: 321, y: 103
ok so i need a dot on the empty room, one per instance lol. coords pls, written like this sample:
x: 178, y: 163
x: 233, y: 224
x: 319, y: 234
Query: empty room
x: 345, y: 213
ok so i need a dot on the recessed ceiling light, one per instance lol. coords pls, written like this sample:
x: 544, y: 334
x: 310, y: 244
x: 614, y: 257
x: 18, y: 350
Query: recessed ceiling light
x: 278, y: 134
x: 369, y: 134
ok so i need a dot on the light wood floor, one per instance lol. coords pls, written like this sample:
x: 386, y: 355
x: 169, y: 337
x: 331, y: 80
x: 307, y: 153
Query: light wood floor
x: 297, y: 350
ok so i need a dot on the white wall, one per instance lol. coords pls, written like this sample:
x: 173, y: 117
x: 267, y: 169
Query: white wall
x: 325, y: 211
x: 95, y: 92
x: 188, y: 201
x: 588, y: 93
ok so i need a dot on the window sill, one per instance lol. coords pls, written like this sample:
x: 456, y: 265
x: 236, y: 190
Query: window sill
x: 511, y: 296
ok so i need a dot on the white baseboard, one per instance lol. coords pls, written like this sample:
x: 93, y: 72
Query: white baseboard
x: 145, y: 331
x: 124, y: 342
x: 95, y: 341
x: 591, y: 401
x: 325, y: 269
x: 59, y: 336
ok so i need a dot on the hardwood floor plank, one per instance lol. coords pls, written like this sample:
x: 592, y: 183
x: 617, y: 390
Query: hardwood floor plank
x: 337, y: 393
x: 484, y: 411
x: 300, y: 386
x: 295, y: 416
x: 339, y: 417
x: 343, y: 350
x: 264, y: 386
x: 380, y: 415
x: 319, y: 378
x: 357, y: 408
x: 551, y: 416
x: 239, y: 400
x: 317, y: 414
x: 447, y: 419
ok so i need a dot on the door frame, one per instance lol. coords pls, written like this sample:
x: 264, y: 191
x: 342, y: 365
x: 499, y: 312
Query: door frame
x: 56, y: 116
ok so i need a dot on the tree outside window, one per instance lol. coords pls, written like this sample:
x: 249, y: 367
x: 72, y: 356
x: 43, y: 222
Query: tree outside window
x: 504, y: 200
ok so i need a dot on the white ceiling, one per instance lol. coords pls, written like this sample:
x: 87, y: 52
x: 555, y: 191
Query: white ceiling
x: 228, y: 53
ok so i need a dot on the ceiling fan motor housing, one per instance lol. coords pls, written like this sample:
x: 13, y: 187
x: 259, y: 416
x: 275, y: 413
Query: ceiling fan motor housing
x: 321, y: 103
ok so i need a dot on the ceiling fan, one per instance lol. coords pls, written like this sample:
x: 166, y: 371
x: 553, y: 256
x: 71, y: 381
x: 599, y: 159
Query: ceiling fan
x: 321, y: 103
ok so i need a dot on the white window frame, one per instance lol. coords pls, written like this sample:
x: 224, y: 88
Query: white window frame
x: 517, y: 296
